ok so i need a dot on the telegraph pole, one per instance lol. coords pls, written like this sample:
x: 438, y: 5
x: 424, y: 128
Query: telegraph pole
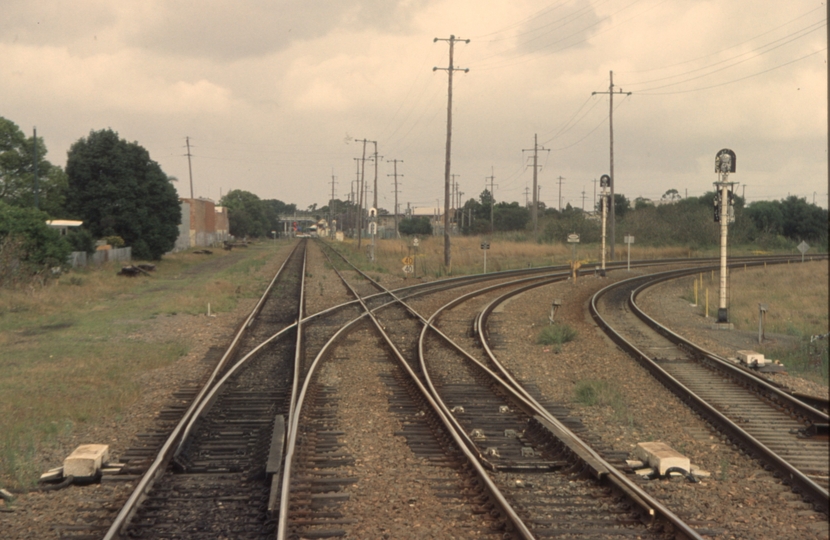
x: 360, y: 186
x: 447, y: 253
x: 189, y: 168
x: 583, y: 199
x: 331, y: 203
x: 535, y: 209
x: 560, y: 192
x: 455, y: 198
x: 395, y: 166
x: 492, y: 198
x: 375, y: 194
x: 610, y: 93
x: 354, y: 194
x: 34, y: 169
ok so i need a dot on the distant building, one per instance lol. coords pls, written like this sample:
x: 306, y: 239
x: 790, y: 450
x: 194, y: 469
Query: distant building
x: 203, y: 224
x: 63, y: 225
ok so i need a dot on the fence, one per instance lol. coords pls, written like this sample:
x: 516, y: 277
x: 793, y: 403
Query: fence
x: 81, y: 258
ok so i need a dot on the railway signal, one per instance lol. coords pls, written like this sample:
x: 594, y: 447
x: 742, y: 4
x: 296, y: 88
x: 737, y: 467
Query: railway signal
x: 725, y: 162
x: 604, y: 183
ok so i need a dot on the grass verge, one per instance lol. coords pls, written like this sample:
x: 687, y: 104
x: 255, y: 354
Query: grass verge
x: 74, y: 351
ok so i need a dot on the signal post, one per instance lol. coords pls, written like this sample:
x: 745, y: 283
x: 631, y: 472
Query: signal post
x: 724, y: 164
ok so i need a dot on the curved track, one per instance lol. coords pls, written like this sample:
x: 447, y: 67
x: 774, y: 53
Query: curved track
x: 766, y: 422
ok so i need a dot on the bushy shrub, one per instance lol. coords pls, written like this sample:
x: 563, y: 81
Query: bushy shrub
x: 27, y: 244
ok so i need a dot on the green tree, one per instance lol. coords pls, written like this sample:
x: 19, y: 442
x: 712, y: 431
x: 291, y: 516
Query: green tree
x: 417, y: 225
x: 802, y: 220
x: 17, y: 178
x: 510, y: 216
x: 117, y: 189
x: 27, y: 243
x: 767, y: 217
x: 248, y: 214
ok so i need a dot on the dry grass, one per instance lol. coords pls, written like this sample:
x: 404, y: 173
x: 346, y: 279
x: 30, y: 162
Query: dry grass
x: 504, y: 254
x: 797, y: 295
x: 797, y: 298
x: 73, y: 350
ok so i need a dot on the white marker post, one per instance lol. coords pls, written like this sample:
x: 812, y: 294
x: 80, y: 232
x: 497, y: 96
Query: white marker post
x: 485, y: 245
x: 373, y: 227
x: 629, y: 240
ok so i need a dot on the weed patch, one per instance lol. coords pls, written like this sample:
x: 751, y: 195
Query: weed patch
x: 556, y: 334
x: 598, y: 393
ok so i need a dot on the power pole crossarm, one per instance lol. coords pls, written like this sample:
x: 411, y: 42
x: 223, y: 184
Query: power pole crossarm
x: 449, y: 69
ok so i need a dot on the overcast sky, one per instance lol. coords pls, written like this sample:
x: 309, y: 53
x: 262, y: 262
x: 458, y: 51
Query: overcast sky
x: 274, y: 94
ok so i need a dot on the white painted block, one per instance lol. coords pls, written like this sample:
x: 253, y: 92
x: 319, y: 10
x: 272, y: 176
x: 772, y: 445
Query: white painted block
x: 661, y: 457
x: 86, y: 460
x: 751, y: 358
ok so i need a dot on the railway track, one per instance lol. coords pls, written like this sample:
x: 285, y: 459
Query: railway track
x: 518, y: 448
x: 207, y: 478
x: 785, y: 434
x: 267, y: 454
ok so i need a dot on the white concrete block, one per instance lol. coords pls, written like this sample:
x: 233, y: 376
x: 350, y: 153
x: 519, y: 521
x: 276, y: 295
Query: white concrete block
x: 52, y: 475
x: 751, y: 358
x: 697, y: 471
x: 86, y: 460
x: 661, y: 457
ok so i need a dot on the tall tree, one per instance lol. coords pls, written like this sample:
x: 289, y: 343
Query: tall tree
x: 17, y: 179
x: 117, y: 189
x: 248, y: 214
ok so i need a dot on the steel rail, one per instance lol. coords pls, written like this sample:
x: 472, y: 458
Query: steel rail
x: 620, y: 480
x: 588, y: 455
x: 156, y: 469
x: 790, y: 474
x: 458, y: 434
x: 785, y: 399
x: 602, y: 470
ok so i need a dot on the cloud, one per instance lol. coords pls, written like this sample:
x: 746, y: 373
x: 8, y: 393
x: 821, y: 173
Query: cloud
x: 226, y: 30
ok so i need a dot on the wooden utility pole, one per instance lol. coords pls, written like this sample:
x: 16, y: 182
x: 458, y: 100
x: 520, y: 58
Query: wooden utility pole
x: 612, y: 204
x: 360, y: 185
x: 34, y: 169
x: 492, y: 198
x: 331, y: 202
x: 395, y: 166
x: 375, y: 193
x: 455, y: 201
x: 535, y: 208
x: 189, y: 168
x: 583, y: 199
x: 447, y: 252
x: 560, y: 192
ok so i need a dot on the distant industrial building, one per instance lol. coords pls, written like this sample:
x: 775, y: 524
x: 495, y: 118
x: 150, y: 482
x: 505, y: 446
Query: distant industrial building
x: 203, y: 224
